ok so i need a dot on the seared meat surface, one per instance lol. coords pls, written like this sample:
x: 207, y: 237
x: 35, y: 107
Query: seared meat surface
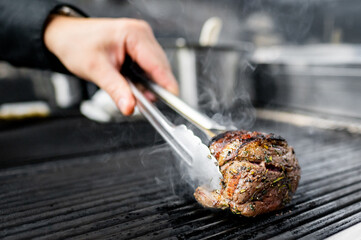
x: 260, y: 172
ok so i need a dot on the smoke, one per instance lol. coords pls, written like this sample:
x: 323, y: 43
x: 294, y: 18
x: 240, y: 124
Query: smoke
x: 224, y: 88
x: 174, y: 172
x: 222, y: 95
x: 170, y: 169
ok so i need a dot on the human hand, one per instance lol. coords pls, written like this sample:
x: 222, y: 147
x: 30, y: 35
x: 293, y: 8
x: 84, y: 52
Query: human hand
x: 95, y: 49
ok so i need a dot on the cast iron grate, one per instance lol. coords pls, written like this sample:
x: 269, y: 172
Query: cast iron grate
x: 135, y: 194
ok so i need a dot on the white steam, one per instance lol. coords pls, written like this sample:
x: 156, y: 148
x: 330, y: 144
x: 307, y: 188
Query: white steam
x: 202, y: 168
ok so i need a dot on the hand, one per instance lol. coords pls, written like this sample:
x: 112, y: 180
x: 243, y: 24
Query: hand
x: 94, y: 50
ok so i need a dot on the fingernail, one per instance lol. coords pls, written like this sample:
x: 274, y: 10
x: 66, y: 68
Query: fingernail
x: 173, y: 87
x: 122, y: 105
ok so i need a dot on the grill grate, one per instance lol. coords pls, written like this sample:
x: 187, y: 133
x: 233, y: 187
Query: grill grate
x: 126, y: 195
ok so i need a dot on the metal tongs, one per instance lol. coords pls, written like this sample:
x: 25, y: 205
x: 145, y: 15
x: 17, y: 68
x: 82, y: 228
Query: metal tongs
x: 189, y: 147
x: 201, y: 121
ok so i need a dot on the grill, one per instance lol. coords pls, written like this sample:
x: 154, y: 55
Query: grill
x: 114, y: 193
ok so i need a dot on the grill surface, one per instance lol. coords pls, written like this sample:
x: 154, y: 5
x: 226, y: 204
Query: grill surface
x: 138, y: 194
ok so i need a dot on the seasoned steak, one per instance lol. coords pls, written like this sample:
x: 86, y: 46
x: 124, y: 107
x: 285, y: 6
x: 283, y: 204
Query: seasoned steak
x: 260, y: 171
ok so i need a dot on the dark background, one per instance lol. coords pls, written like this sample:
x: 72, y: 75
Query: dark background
x: 287, y: 21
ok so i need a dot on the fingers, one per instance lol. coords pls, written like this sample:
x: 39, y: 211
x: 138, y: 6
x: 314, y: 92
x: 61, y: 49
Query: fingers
x: 98, y: 57
x: 148, y: 94
x: 143, y: 48
x: 109, y: 79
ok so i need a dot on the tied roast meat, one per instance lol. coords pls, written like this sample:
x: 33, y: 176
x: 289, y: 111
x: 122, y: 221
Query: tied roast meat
x: 260, y: 173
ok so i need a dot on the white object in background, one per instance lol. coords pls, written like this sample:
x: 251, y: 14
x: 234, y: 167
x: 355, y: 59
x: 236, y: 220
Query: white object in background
x: 64, y: 95
x: 210, y: 31
x: 89, y: 110
x: 187, y: 62
x: 188, y: 76
x: 24, y: 109
x: 101, y: 108
x: 102, y: 100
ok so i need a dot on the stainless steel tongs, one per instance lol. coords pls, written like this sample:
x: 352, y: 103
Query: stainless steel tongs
x: 203, y: 122
x: 190, y: 149
x: 207, y: 125
x: 201, y: 164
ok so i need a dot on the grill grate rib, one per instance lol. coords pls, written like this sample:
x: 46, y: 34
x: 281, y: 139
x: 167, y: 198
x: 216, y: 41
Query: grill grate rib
x: 127, y: 196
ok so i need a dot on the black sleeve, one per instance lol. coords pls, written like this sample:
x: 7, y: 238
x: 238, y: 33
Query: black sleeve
x: 22, y: 25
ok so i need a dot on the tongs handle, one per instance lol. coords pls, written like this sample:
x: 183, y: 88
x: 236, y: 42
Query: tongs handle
x: 203, y: 122
x: 151, y: 113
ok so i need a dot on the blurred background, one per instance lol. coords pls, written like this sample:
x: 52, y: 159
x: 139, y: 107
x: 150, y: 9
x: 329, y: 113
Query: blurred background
x: 261, y: 22
x: 298, y: 54
x: 234, y: 60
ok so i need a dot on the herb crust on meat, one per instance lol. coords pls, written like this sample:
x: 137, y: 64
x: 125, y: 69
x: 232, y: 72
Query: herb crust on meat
x: 260, y: 173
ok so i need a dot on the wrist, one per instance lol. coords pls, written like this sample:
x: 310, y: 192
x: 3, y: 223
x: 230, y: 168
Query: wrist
x: 51, y: 31
x: 54, y: 21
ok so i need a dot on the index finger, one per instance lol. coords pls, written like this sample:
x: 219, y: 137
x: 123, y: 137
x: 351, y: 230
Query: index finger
x: 144, y: 49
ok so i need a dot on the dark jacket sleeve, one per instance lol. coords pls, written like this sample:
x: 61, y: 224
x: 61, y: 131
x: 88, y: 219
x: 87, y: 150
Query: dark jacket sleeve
x: 22, y: 25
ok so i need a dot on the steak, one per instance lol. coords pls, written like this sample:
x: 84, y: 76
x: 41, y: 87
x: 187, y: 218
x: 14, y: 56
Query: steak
x: 260, y: 173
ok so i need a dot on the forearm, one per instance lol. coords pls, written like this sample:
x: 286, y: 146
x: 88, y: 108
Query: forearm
x: 22, y: 24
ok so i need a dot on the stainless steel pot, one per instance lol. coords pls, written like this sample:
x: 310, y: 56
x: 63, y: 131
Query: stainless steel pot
x: 213, y: 79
